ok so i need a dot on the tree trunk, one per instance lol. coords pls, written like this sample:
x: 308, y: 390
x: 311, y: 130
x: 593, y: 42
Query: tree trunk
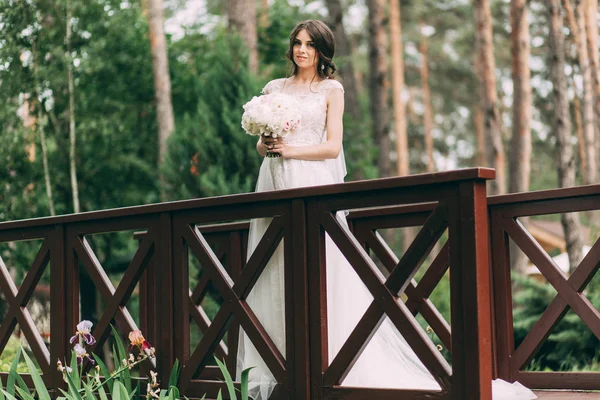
x: 588, y: 97
x: 72, y: 135
x: 428, y: 109
x: 162, y: 80
x: 591, y: 27
x: 520, y: 153
x: 478, y: 119
x: 479, y: 123
x: 562, y: 128
x: 576, y: 103
x: 572, y: 22
x: 359, y: 77
x: 378, y: 86
x: 402, y: 155
x: 242, y: 19
x: 579, y: 130
x: 264, y: 14
x: 484, y: 46
x: 343, y: 55
x: 41, y: 126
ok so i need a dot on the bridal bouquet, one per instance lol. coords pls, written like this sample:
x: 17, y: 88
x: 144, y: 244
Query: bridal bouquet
x: 274, y: 114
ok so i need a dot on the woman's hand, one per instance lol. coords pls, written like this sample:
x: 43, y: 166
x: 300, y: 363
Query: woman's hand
x: 273, y: 145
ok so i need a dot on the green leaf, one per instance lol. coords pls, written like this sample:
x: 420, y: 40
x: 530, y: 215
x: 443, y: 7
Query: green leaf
x: 123, y: 355
x: 244, y: 383
x: 67, y: 395
x: 24, y: 394
x: 40, y: 386
x: 73, y: 391
x: 174, y: 374
x: 75, y: 372
x: 104, y: 370
x: 116, y: 361
x: 175, y: 392
x: 13, y: 376
x: 219, y: 396
x: 137, y: 391
x: 8, y: 395
x: 102, y: 393
x: 2, y: 397
x: 120, y: 391
x: 89, y: 394
x: 228, y: 380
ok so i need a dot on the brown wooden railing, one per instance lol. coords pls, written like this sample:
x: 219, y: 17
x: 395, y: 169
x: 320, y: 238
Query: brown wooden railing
x: 504, y: 212
x: 451, y: 201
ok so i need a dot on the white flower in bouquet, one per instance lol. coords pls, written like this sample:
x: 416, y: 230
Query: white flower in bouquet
x: 274, y: 114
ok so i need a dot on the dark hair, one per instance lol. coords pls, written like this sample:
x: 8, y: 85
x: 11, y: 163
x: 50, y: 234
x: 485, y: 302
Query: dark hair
x: 324, y: 42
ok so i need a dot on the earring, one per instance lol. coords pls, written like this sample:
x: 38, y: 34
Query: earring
x: 322, y: 66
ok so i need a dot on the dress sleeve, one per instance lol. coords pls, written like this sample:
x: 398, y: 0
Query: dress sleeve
x: 335, y: 84
x: 337, y: 166
x: 272, y: 86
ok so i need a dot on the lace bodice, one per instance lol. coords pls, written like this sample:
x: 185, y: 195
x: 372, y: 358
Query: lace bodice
x: 313, y: 104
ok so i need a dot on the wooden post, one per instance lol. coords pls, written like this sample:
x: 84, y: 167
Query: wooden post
x: 167, y: 316
x: 317, y: 301
x: 470, y: 292
x: 59, y: 335
x: 296, y: 312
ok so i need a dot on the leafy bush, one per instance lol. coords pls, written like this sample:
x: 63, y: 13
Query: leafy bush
x: 571, y: 346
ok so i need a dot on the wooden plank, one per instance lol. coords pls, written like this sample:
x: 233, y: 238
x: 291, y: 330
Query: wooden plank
x: 503, y: 324
x: 560, y: 380
x: 355, y: 393
x: 296, y: 275
x: 470, y: 292
x: 566, y: 395
x: 542, y: 195
x: 254, y: 200
x: 317, y: 300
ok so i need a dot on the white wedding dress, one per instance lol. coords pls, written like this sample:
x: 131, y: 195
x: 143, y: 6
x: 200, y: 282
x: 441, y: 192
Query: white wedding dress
x: 387, y: 361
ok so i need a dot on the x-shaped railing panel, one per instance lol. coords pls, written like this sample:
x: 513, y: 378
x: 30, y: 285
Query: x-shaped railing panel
x: 17, y: 300
x: 115, y: 299
x: 385, y: 298
x: 199, y: 315
x: 234, y: 294
x: 417, y: 293
x: 569, y: 291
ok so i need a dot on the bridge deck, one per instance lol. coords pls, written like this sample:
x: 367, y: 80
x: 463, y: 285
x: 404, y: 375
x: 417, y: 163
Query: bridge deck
x: 563, y: 395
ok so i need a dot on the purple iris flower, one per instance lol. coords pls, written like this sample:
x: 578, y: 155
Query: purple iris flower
x: 81, y: 353
x: 84, y: 330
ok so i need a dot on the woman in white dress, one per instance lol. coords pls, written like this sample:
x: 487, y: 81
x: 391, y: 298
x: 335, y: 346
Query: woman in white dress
x: 313, y: 155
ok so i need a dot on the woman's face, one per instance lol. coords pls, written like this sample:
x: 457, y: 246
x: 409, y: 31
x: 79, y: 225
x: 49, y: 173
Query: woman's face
x: 305, y: 54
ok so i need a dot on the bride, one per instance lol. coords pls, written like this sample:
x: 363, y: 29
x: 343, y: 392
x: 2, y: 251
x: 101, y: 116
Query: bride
x: 313, y: 155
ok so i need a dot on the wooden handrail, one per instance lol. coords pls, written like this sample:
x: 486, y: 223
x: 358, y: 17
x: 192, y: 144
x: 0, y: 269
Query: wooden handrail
x: 301, y: 217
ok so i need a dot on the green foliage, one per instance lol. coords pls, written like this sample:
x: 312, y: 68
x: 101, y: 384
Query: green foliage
x: 571, y: 345
x: 92, y: 387
x: 9, y: 354
x: 232, y: 391
x: 209, y: 153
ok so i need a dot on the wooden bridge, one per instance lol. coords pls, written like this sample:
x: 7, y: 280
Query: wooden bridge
x: 452, y: 204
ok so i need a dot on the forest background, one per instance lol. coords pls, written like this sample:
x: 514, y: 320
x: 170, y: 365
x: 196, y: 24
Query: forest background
x: 100, y: 108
